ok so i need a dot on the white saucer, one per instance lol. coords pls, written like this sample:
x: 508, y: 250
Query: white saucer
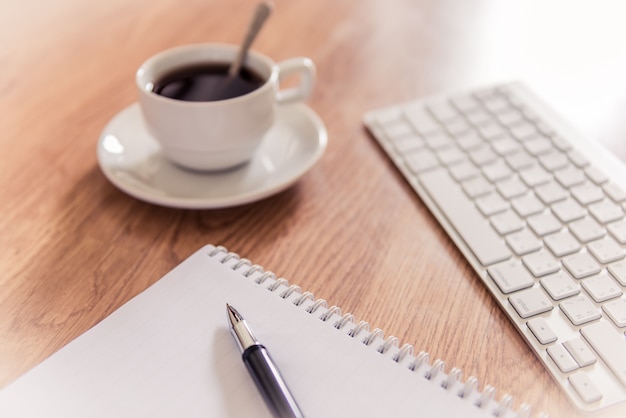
x: 131, y: 159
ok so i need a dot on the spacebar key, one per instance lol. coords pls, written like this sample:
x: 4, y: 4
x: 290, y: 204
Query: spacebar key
x: 473, y: 228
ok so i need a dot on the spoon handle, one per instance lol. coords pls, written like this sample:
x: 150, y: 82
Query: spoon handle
x: 262, y: 12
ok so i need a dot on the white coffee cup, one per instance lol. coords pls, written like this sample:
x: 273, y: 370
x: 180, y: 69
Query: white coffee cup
x: 216, y: 135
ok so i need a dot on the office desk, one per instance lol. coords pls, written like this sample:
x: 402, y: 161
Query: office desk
x: 74, y: 248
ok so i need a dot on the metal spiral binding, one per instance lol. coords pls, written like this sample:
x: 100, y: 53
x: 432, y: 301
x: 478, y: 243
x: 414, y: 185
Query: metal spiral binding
x: 277, y: 284
x: 487, y: 395
x: 470, y: 386
x: 330, y: 312
x: 454, y: 376
x: 318, y: 303
x: 303, y: 298
x: 347, y: 318
x: 362, y: 325
x: 437, y: 367
x: 264, y: 276
x: 422, y: 358
x: 290, y: 290
x: 376, y: 333
x: 406, y: 350
x: 389, y: 343
x: 419, y: 363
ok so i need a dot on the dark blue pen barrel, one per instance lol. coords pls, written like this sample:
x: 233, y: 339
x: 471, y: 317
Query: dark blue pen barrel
x: 270, y: 382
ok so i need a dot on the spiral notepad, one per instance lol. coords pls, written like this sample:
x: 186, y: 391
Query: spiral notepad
x: 168, y: 352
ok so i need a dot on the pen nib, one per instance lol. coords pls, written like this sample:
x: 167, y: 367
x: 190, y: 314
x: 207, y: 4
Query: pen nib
x: 233, y: 316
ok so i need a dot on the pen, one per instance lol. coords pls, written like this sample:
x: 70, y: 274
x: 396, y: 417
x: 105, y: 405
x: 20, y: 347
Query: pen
x: 262, y: 369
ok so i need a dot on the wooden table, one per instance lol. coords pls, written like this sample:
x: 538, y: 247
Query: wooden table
x: 74, y: 248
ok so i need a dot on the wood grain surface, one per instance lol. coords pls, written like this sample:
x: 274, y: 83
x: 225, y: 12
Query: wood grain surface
x: 74, y: 248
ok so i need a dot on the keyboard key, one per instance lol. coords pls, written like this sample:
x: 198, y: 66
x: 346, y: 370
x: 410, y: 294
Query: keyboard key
x: 618, y: 271
x: 482, y: 240
x: 553, y: 161
x: 468, y: 141
x: 540, y: 329
x: 478, y: 117
x: 421, y: 160
x: 511, y: 187
x: 497, y: 170
x: 568, y: 210
x: 407, y: 143
x: 544, y: 223
x: 491, y: 204
x: 564, y: 361
x: 534, y: 175
x: 618, y: 230
x: 578, y: 159
x: 551, y: 192
x: 606, y: 250
x: 457, y: 126
x: 587, y: 230
x: 523, y: 242
x: 559, y: 142
x: 581, y: 353
x: 442, y: 111
x: 569, y: 176
x: 606, y: 211
x: 596, y: 175
x: 465, y: 103
x: 514, y: 119
x: 523, y: 131
x: 488, y: 93
x: 610, y: 346
x: 527, y: 205
x: 495, y: 103
x: 587, y: 193
x: 562, y: 243
x: 507, y: 222
x: 530, y: 302
x: 531, y: 116
x: 616, y: 310
x: 476, y: 186
x: 505, y: 145
x: 601, y: 287
x: 538, y: 145
x: 615, y: 192
x: 483, y: 155
x: 560, y: 285
x: 464, y: 171
x: 579, y: 310
x: 510, y: 276
x: 519, y: 160
x: 422, y: 121
x: 397, y: 129
x: 541, y: 263
x: 437, y: 140
x: 581, y: 265
x: 450, y: 155
x: 585, y: 388
x: 491, y: 131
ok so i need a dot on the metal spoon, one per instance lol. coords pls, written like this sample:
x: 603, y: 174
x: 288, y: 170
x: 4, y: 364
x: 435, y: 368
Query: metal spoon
x: 262, y: 12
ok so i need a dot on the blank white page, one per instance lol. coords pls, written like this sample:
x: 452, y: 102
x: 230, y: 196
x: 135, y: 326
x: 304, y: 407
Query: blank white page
x: 169, y: 352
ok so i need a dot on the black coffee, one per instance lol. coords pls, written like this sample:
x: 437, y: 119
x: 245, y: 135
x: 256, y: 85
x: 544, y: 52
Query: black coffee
x: 207, y: 82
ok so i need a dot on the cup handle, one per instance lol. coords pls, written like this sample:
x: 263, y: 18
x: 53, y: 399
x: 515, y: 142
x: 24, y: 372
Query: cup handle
x: 306, y: 69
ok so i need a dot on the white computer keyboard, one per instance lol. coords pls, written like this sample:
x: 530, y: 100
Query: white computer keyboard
x: 538, y: 211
